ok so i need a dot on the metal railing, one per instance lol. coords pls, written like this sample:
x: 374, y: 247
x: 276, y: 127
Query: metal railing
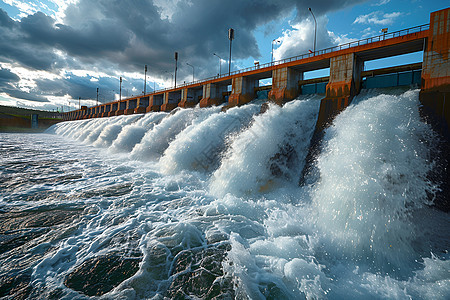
x: 366, y: 41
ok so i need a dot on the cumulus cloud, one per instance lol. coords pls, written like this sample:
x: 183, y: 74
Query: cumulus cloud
x: 114, y: 37
x: 377, y: 18
x: 300, y: 38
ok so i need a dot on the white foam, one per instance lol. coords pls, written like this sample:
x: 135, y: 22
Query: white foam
x: 199, y: 146
x: 246, y: 167
x: 373, y: 175
x: 159, y: 137
x: 361, y: 231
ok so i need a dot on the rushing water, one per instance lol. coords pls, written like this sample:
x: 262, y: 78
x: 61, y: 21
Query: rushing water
x: 201, y: 203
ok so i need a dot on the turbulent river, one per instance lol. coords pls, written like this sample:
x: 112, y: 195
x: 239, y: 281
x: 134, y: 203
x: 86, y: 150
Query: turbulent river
x: 200, y: 203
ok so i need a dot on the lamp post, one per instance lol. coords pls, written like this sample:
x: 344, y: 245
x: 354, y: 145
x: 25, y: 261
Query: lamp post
x: 176, y: 66
x: 274, y: 40
x: 120, y: 90
x: 230, y: 37
x: 145, y: 78
x: 97, y: 96
x: 220, y: 63
x: 315, y: 29
x: 192, y: 71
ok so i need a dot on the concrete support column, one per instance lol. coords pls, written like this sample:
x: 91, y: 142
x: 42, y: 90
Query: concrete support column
x: 242, y: 91
x: 113, y: 110
x: 94, y: 112
x: 435, y: 87
x: 107, y: 110
x: 155, y: 102
x: 343, y: 85
x: 101, y: 110
x: 284, y: 85
x: 171, y: 100
x: 212, y: 94
x: 189, y: 97
x: 131, y: 105
x: 142, y: 104
x: 121, y: 106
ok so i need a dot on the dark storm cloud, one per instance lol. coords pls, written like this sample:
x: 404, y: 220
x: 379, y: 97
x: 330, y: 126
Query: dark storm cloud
x: 85, y: 88
x: 7, y: 77
x: 115, y: 36
x: 7, y: 85
x: 16, y: 93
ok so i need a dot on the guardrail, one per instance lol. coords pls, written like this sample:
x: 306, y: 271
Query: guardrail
x: 366, y: 41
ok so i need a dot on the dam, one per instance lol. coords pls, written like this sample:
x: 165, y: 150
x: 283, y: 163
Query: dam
x: 346, y: 64
x: 204, y: 202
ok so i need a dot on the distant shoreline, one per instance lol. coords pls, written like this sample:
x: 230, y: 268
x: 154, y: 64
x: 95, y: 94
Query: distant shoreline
x: 18, y: 120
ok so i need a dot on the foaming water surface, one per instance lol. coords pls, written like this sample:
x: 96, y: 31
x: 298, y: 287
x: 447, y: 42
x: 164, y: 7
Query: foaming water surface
x: 200, y: 203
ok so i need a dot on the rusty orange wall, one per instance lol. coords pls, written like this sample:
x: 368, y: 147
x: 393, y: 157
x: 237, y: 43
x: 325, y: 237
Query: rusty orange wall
x: 345, y: 76
x: 436, y: 66
x: 242, y: 91
x: 284, y: 85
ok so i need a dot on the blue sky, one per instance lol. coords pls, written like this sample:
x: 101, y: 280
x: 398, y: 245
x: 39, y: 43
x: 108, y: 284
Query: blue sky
x: 53, y: 51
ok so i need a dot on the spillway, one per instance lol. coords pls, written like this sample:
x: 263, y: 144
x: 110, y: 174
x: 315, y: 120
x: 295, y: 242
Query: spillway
x: 205, y: 203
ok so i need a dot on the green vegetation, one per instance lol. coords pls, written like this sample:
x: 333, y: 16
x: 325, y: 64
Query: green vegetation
x: 15, y: 119
x: 25, y: 112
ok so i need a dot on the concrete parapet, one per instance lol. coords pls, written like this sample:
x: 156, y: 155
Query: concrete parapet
x: 284, y: 85
x: 242, y: 91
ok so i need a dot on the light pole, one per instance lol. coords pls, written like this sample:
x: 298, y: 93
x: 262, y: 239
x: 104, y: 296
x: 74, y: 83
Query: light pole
x: 145, y: 78
x: 120, y: 91
x: 97, y: 96
x: 315, y: 29
x: 230, y: 37
x: 274, y: 40
x: 176, y: 66
x: 220, y: 63
x: 192, y: 71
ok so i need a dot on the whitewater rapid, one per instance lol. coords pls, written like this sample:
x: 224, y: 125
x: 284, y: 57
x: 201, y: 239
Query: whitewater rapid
x: 205, y: 202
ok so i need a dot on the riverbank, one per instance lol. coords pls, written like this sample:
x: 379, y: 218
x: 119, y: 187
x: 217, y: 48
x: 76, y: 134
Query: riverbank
x: 15, y: 119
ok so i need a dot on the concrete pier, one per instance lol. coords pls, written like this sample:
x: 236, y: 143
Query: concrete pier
x: 284, y: 85
x: 130, y: 106
x: 107, y: 110
x: 142, y: 104
x: 435, y: 89
x: 213, y: 94
x: 122, y: 105
x: 155, y: 102
x: 171, y: 100
x: 114, y: 107
x: 190, y: 97
x: 344, y: 83
x: 242, y: 90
